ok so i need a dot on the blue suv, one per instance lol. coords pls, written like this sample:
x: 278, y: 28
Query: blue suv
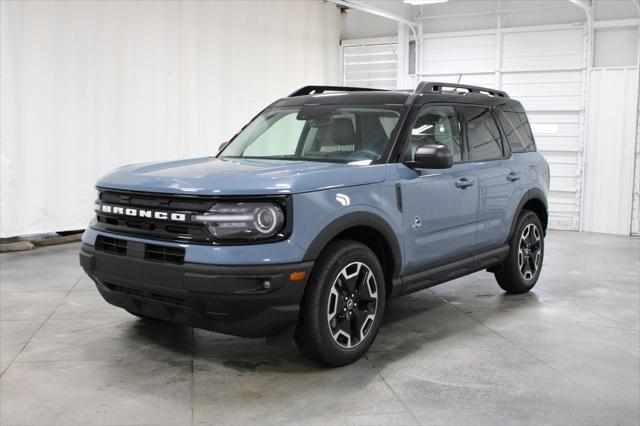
x: 329, y: 203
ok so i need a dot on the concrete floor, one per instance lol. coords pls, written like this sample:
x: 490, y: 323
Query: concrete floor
x: 460, y: 353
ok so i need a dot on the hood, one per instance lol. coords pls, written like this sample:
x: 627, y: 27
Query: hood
x: 237, y: 176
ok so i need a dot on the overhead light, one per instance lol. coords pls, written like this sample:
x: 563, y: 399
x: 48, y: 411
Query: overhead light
x: 423, y: 2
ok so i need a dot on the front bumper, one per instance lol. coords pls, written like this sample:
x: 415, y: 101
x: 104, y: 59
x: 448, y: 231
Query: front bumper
x: 226, y: 299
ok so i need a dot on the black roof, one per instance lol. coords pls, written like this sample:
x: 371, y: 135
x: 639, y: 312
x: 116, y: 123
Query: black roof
x: 425, y: 93
x: 348, y: 98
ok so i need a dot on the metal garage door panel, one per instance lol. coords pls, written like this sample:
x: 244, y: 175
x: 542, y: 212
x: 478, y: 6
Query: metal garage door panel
x: 372, y: 65
x: 482, y: 79
x: 558, y: 139
x: 562, y: 214
x: 557, y: 132
x: 550, y: 103
x: 524, y: 78
x: 558, y: 143
x: 377, y: 74
x: 370, y: 59
x: 545, y: 91
x: 543, y: 50
x: 459, y: 54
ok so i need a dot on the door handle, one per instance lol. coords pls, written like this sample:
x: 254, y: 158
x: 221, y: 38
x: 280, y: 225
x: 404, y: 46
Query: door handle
x: 513, y: 176
x: 463, y: 182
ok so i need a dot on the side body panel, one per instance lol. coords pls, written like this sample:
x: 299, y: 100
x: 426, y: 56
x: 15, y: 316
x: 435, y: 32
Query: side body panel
x: 537, y: 171
x: 536, y: 178
x: 319, y: 215
x: 502, y: 184
x: 439, y: 218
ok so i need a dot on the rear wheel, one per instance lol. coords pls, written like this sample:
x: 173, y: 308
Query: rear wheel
x: 343, y: 305
x: 521, y: 269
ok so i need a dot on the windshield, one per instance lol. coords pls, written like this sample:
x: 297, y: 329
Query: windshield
x: 346, y: 134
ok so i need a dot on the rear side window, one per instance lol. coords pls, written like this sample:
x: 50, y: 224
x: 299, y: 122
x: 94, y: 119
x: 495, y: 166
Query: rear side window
x: 483, y: 136
x: 517, y: 130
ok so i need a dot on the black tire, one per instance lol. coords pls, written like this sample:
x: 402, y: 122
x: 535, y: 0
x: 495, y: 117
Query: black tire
x: 521, y: 269
x: 337, y: 273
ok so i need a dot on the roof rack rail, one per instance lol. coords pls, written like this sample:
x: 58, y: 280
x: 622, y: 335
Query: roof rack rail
x: 426, y: 87
x: 314, y: 90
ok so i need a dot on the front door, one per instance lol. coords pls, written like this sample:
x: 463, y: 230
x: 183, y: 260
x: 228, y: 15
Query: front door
x: 440, y: 207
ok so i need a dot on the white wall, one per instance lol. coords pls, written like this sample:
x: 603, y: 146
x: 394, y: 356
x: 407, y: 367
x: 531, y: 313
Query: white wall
x: 610, y: 150
x: 86, y: 86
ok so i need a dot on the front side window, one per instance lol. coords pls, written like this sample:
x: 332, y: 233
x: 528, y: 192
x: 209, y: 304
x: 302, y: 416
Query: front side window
x: 436, y: 124
x: 483, y: 136
x: 317, y: 133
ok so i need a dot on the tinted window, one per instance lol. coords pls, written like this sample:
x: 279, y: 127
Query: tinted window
x: 317, y: 132
x: 483, y: 136
x: 281, y: 138
x: 436, y: 125
x: 517, y: 130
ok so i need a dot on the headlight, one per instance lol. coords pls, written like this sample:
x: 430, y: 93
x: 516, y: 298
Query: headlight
x: 251, y: 220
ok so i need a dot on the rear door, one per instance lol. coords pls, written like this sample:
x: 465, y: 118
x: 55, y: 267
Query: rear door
x: 440, y: 206
x: 501, y: 179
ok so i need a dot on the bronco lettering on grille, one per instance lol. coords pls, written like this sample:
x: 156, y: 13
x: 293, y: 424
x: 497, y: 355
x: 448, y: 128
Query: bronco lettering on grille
x: 127, y: 211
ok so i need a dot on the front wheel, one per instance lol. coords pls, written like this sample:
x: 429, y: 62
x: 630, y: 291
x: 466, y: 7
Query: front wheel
x: 343, y: 305
x: 521, y: 269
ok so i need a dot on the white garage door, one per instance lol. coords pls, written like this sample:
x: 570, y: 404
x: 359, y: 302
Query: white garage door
x: 372, y: 65
x: 544, y: 68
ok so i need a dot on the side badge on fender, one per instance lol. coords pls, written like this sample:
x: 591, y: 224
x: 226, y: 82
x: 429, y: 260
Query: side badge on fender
x: 416, y: 223
x: 343, y: 199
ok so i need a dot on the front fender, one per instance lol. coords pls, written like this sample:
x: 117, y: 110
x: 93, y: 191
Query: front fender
x: 321, y: 216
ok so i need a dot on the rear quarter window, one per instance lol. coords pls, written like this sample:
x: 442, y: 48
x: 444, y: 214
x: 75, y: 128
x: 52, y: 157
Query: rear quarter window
x: 517, y: 130
x: 483, y: 136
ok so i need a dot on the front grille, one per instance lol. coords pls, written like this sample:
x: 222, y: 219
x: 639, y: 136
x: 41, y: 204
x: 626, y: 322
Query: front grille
x: 178, y: 210
x: 153, y: 252
x: 152, y: 227
x: 164, y: 254
x: 111, y: 245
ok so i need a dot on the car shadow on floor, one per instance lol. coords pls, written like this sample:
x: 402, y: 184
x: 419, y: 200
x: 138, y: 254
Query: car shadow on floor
x: 414, y: 323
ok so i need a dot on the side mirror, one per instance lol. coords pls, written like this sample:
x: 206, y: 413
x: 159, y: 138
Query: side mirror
x: 223, y: 145
x: 432, y: 156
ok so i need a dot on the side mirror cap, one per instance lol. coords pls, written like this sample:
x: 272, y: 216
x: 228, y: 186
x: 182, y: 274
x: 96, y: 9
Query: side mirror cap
x: 432, y: 156
x: 223, y: 145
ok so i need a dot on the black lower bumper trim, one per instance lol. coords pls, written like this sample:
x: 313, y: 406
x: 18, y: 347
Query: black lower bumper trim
x: 248, y: 301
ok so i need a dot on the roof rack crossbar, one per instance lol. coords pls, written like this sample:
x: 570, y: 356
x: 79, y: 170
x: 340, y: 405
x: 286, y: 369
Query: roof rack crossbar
x: 309, y: 90
x: 427, y: 87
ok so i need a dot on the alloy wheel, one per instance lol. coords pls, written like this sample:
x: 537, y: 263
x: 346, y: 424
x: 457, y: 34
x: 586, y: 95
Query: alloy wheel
x: 529, y: 251
x: 352, y: 305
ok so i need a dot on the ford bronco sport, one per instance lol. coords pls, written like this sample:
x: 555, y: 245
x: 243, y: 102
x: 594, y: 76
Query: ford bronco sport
x: 329, y: 203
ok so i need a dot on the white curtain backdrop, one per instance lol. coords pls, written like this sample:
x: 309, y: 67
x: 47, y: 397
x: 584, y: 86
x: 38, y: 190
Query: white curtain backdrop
x: 86, y: 86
